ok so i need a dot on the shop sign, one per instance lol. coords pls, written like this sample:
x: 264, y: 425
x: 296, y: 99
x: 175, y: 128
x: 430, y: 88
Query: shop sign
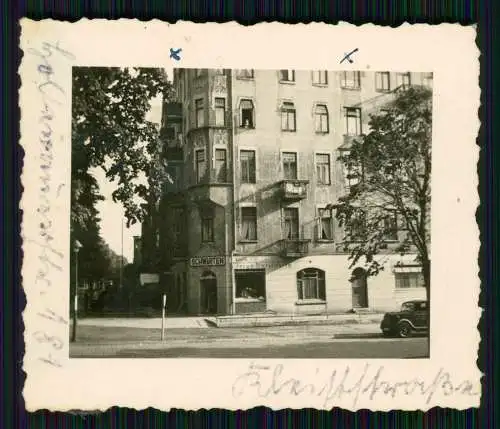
x: 208, y: 261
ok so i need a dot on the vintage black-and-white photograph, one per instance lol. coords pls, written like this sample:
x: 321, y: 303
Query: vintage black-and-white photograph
x: 246, y: 213
x: 253, y: 236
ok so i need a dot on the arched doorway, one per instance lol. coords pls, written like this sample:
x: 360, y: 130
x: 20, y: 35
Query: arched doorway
x: 359, y: 288
x: 208, y: 292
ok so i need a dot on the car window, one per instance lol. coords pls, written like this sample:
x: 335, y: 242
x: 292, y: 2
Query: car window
x: 407, y: 306
x: 422, y: 306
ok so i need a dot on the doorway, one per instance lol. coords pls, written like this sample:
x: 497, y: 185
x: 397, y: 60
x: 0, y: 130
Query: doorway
x: 208, y: 293
x: 359, y: 285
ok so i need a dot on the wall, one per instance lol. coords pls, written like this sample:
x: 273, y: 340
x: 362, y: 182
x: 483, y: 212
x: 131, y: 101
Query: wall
x: 269, y: 141
x: 281, y: 284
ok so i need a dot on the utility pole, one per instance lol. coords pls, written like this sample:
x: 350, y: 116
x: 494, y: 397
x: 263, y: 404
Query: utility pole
x: 76, y: 249
x: 121, y: 258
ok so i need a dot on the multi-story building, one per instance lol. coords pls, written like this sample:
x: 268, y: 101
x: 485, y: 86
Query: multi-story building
x: 246, y: 222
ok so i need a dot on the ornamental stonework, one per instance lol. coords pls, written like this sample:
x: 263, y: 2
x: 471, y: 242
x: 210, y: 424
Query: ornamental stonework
x: 220, y: 85
x: 220, y: 137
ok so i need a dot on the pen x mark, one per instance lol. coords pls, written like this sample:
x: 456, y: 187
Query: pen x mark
x: 174, y: 53
x: 348, y: 56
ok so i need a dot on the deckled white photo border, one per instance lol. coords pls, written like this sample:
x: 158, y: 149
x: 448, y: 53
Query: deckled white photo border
x: 450, y: 378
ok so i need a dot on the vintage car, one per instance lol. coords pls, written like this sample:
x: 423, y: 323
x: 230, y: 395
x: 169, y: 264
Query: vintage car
x: 411, y: 319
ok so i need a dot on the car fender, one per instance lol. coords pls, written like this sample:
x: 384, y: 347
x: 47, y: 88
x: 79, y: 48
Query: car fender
x: 407, y: 321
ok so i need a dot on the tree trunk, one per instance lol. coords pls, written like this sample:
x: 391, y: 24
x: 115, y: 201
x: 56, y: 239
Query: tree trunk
x: 426, y: 271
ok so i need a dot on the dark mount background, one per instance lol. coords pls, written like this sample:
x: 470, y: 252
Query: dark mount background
x: 380, y: 12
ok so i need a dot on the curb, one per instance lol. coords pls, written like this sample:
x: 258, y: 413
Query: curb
x: 264, y: 322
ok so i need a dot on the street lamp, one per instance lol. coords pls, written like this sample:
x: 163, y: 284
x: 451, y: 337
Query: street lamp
x: 76, y: 248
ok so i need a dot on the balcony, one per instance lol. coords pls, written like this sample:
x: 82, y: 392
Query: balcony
x: 173, y: 112
x: 293, y: 190
x: 295, y: 247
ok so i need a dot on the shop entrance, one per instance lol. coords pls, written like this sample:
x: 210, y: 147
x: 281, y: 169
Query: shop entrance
x: 359, y: 288
x: 208, y: 292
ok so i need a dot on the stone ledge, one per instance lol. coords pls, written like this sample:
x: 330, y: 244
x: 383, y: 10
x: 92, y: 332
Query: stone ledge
x: 262, y: 320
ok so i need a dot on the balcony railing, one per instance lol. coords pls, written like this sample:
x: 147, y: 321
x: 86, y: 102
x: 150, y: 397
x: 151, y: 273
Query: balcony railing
x: 173, y: 111
x: 293, y: 190
x: 295, y: 247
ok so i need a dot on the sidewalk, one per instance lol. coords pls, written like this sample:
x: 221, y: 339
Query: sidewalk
x: 237, y: 321
x: 145, y: 322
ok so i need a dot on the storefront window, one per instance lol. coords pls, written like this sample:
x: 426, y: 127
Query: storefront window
x: 250, y: 284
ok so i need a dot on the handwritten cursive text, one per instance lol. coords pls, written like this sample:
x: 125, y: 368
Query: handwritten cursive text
x: 50, y: 258
x: 266, y: 381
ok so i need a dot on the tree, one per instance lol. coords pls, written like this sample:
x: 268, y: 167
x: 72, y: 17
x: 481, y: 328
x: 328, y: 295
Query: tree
x: 389, y: 177
x: 92, y: 258
x: 110, y: 130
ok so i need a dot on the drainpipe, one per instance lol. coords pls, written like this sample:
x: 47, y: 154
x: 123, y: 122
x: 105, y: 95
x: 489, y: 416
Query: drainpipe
x: 232, y: 217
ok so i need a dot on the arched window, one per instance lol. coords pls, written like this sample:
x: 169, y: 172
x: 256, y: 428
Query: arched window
x: 208, y: 275
x: 359, y: 288
x: 246, y: 114
x: 311, y: 284
x: 321, y: 118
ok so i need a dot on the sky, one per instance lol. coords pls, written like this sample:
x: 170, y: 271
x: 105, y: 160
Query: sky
x: 112, y: 214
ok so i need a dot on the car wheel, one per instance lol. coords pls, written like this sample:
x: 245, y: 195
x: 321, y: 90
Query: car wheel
x: 404, y: 330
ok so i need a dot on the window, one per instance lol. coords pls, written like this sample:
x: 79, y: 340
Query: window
x: 403, y: 80
x: 249, y: 223
x: 350, y: 80
x: 220, y: 112
x: 290, y: 165
x: 409, y: 280
x: 245, y: 74
x: 357, y: 226
x: 246, y: 114
x: 250, y: 284
x: 323, y: 169
x: 200, y: 114
x: 287, y: 75
x: 220, y: 166
x: 247, y: 166
x: 321, y: 118
x: 174, y: 181
x: 207, y: 225
x: 428, y: 80
x: 200, y: 165
x: 382, y: 81
x: 320, y: 77
x: 288, y: 116
x: 352, y: 172
x: 353, y: 121
x: 325, y: 224
x: 311, y: 284
x: 390, y: 227
x: 291, y: 223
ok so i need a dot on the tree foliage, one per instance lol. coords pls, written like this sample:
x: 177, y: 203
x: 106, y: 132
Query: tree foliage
x: 389, y: 171
x: 110, y: 130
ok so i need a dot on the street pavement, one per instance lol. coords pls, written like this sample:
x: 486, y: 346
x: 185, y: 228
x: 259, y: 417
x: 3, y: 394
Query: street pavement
x: 308, y: 341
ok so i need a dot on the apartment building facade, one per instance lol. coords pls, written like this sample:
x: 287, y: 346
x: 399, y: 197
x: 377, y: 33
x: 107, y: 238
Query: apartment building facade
x: 246, y: 222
